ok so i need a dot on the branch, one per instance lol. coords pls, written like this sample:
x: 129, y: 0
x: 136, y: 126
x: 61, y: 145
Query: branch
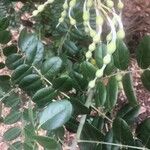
x: 113, y: 144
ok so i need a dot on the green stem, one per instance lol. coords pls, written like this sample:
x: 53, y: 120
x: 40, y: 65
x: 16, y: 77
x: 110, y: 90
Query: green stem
x: 113, y: 144
x: 45, y: 79
x: 102, y: 114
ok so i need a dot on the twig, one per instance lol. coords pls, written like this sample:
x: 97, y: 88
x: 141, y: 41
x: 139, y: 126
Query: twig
x: 113, y: 144
x: 102, y: 114
x: 45, y: 79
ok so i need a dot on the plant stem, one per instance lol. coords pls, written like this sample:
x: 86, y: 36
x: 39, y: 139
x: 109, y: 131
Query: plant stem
x: 113, y: 144
x: 102, y: 114
x: 46, y: 80
x: 90, y: 94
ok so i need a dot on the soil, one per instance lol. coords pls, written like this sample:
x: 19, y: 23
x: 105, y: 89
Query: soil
x: 136, y: 19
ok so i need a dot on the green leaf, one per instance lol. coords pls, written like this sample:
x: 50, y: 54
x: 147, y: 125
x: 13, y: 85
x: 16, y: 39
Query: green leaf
x: 44, y: 96
x: 98, y: 122
x: 109, y: 138
x: 59, y: 133
x: 121, y: 55
x: 79, y: 107
x: 12, y: 133
x: 72, y: 125
x: 2, y: 65
x: 88, y: 70
x: 14, y: 60
x: 122, y: 132
x: 112, y: 94
x: 29, y: 133
x: 71, y: 47
x: 12, y: 101
x: 16, y: 146
x: 129, y: 113
x: 143, y: 52
x: 4, y: 23
x: 63, y: 83
x: 100, y: 94
x: 89, y: 132
x: 32, y: 47
x: 51, y: 67
x: 5, y: 81
x: 8, y: 50
x: 27, y: 41
x: 35, y: 56
x: 129, y: 89
x: 146, y: 79
x: 5, y: 37
x: 48, y: 143
x: 55, y: 115
x: 143, y: 132
x: 31, y: 82
x: 12, y: 117
x: 100, y: 52
x: 20, y: 72
x: 79, y: 82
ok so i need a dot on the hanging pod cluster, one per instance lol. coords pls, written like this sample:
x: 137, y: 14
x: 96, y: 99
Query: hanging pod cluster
x: 105, y: 13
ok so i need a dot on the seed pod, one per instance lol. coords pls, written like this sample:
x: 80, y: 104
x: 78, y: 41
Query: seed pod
x: 121, y: 34
x: 65, y: 6
x: 35, y: 13
x: 96, y: 39
x: 110, y: 3
x: 72, y: 21
x: 88, y: 55
x: 107, y: 59
x: 99, y: 73
x: 92, y: 84
x: 40, y: 8
x: 50, y: 1
x: 92, y: 33
x: 111, y: 47
x: 109, y: 37
x: 63, y: 14
x: 89, y: 3
x: 99, y: 20
x: 61, y: 20
x: 72, y: 3
x: 92, y: 47
x: 86, y: 16
x: 120, y: 5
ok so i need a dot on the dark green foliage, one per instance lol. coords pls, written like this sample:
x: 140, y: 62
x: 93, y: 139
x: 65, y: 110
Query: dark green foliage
x: 122, y: 132
x: 12, y: 133
x: 121, y: 56
x: 55, y: 115
x: 112, y: 94
x: 129, y: 89
x: 143, y: 132
x: 47, y: 89
x: 146, y: 79
x: 100, y: 94
x: 143, y: 53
